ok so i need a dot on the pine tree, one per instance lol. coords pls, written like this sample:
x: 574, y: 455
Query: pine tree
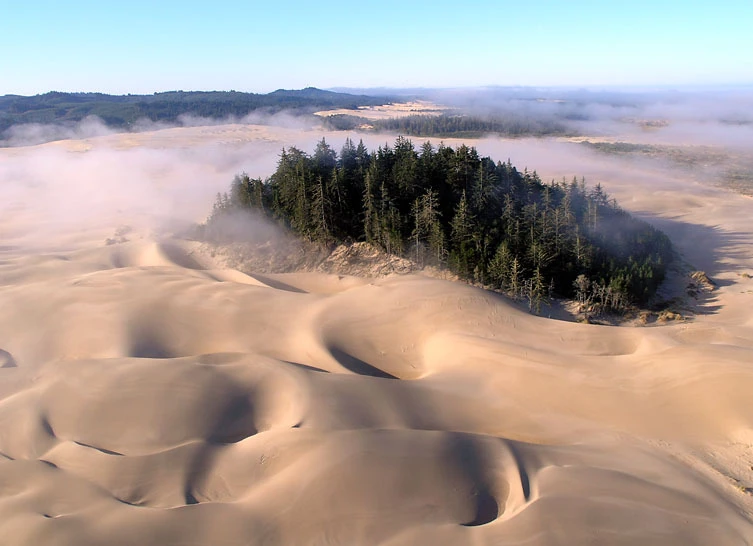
x: 536, y: 290
x: 320, y: 215
x: 427, y: 229
x: 501, y: 266
x: 515, y: 277
x: 324, y: 159
x: 371, y: 221
x: 462, y: 252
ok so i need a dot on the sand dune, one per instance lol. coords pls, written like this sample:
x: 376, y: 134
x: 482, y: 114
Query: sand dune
x: 149, y: 396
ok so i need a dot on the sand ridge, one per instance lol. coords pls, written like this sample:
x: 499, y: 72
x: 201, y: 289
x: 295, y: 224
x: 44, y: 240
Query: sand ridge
x: 150, y: 396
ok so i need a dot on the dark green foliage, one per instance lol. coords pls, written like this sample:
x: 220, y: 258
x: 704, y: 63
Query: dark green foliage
x: 122, y: 111
x: 451, y: 125
x: 468, y: 126
x: 344, y: 122
x: 486, y: 221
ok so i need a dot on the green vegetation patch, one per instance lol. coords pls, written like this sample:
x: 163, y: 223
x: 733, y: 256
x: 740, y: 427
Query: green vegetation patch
x: 470, y: 126
x: 486, y: 221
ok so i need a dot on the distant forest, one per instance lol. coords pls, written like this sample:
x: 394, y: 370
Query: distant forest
x: 122, y: 111
x: 125, y: 112
x: 486, y: 221
x: 457, y: 125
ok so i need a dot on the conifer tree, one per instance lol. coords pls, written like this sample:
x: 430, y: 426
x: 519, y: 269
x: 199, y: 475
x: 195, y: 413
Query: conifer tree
x: 488, y: 221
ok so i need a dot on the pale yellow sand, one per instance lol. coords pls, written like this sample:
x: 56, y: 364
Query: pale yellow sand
x: 148, y: 397
x: 386, y: 111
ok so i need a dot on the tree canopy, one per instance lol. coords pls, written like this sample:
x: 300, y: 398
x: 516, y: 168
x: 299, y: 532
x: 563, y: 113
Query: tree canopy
x: 484, y: 220
x: 458, y: 125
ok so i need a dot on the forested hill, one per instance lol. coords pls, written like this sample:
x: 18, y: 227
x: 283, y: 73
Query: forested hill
x: 122, y: 111
x: 484, y: 220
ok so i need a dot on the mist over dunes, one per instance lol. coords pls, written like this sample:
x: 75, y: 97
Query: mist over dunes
x: 151, y: 394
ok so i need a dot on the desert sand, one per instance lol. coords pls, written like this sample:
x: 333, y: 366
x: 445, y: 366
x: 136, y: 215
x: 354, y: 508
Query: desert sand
x: 150, y: 397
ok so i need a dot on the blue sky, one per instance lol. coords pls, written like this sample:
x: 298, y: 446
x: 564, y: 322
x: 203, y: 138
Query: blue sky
x: 135, y: 46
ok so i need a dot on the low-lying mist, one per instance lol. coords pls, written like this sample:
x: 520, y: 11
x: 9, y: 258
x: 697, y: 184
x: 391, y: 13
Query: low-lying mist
x: 168, y: 177
x: 690, y: 116
x: 29, y: 134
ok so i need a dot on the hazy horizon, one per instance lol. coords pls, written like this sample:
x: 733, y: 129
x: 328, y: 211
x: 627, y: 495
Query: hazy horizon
x: 428, y: 90
x: 139, y: 47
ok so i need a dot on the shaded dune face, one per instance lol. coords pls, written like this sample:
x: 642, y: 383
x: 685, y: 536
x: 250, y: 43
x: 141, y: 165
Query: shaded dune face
x: 154, y: 400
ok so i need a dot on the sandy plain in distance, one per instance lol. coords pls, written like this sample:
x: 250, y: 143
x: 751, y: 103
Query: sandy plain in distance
x: 149, y: 397
x: 387, y: 111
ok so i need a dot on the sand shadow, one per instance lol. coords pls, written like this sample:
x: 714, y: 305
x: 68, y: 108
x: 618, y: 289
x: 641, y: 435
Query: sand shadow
x: 7, y: 360
x: 146, y: 339
x: 711, y: 249
x: 305, y: 367
x: 179, y: 256
x: 235, y: 423
x: 145, y: 345
x: 100, y: 449
x: 471, y: 459
x: 279, y: 285
x: 356, y: 365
